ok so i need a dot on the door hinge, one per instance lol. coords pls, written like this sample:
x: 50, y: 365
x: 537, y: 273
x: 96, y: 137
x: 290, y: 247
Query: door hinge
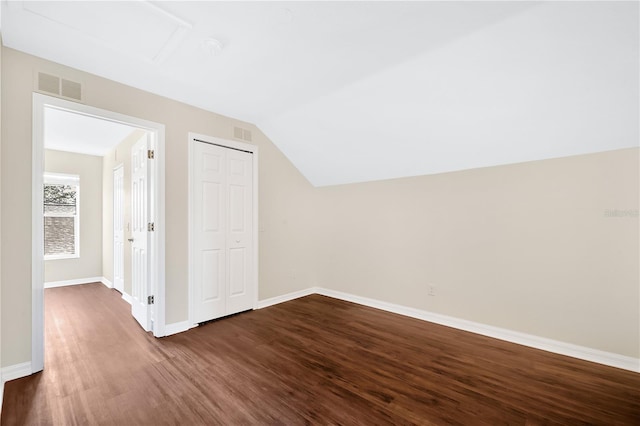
x: 151, y: 226
x: 150, y: 300
x: 151, y: 154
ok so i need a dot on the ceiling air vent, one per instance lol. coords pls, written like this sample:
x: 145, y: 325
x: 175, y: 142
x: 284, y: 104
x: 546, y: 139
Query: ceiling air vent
x: 54, y: 85
x: 243, y: 134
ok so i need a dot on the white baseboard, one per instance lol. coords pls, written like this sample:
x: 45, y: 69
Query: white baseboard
x: 15, y: 371
x: 126, y: 297
x: 549, y: 345
x: 52, y: 284
x: 285, y: 297
x: 106, y: 282
x: 177, y: 327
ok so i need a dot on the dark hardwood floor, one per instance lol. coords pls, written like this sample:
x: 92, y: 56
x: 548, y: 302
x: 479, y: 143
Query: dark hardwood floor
x: 314, y: 360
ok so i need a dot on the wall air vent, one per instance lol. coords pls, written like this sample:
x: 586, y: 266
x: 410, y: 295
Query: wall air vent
x: 53, y: 85
x: 242, y: 134
x: 48, y: 83
x: 70, y: 89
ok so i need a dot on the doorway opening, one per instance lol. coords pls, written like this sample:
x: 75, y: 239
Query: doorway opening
x: 151, y: 316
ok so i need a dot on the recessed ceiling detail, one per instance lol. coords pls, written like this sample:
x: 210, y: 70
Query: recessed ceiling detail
x: 359, y: 91
x: 138, y: 28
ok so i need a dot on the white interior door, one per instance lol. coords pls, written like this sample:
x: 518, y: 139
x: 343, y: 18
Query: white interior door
x: 118, y: 229
x: 209, y: 273
x: 222, y: 231
x: 239, y: 206
x: 139, y: 233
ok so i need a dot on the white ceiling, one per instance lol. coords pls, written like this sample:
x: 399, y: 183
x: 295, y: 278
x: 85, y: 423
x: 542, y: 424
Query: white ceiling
x: 358, y: 91
x: 72, y: 132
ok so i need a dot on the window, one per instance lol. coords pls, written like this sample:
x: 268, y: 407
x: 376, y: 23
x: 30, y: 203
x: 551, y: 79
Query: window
x: 61, y: 216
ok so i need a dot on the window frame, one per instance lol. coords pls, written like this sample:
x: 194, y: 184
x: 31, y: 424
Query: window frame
x: 71, y: 180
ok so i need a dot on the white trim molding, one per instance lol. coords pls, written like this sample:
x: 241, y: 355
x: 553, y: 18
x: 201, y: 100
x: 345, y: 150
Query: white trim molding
x: 13, y: 372
x: 126, y: 297
x: 79, y: 281
x: 286, y: 297
x: 16, y: 371
x: 555, y: 346
x: 106, y: 282
x: 177, y: 327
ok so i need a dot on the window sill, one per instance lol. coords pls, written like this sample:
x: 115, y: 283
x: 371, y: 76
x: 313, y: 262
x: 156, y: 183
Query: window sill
x: 62, y: 256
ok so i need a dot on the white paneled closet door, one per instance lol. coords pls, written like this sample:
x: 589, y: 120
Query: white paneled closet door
x: 222, y: 215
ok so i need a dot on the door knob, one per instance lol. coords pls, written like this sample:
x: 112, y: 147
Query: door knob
x: 237, y: 241
x: 130, y: 240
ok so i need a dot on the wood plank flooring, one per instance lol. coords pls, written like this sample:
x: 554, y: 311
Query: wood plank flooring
x: 314, y: 360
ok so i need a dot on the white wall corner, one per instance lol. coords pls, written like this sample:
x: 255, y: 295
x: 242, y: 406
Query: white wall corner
x: 106, y: 282
x: 285, y: 297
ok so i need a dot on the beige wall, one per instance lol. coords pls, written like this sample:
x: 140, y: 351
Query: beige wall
x: 283, y: 193
x: 119, y: 156
x: 526, y: 247
x: 89, y: 168
x: 16, y: 228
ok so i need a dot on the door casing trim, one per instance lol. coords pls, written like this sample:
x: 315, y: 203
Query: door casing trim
x: 157, y: 258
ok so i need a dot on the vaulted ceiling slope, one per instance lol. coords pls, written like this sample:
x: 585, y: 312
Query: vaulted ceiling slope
x: 359, y: 91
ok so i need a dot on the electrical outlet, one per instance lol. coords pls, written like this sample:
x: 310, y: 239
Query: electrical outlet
x: 431, y: 290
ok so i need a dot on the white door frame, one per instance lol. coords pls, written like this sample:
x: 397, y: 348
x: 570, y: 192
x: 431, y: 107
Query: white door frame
x: 157, y: 257
x: 118, y: 169
x: 196, y: 138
